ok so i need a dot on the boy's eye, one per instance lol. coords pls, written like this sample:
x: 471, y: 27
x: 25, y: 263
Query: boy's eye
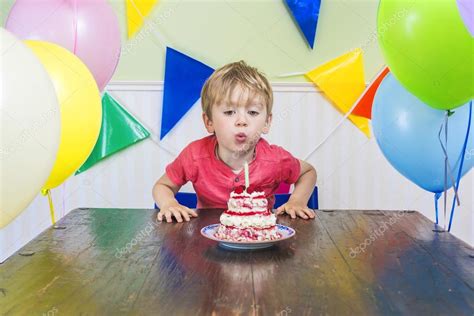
x: 253, y: 113
x: 229, y: 112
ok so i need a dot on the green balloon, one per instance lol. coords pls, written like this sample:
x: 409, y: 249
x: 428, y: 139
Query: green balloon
x: 428, y: 49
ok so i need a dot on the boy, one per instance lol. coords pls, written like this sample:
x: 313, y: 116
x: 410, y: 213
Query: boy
x: 237, y: 105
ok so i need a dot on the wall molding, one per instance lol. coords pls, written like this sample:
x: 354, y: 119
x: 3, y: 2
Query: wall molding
x: 307, y: 87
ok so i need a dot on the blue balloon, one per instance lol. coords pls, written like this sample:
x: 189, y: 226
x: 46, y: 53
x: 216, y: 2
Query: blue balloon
x: 406, y: 130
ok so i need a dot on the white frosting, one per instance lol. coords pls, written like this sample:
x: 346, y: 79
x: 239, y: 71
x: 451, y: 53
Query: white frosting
x: 238, y: 204
x: 258, y: 220
x: 243, y: 210
x: 245, y: 193
x: 243, y: 203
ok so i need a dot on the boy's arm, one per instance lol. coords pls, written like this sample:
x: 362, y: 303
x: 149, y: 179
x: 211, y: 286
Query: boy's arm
x: 164, y: 192
x: 304, y: 187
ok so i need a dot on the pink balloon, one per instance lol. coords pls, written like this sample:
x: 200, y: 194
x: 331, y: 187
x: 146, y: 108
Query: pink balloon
x: 88, y: 28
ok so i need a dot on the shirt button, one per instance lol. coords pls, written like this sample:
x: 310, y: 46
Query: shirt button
x: 237, y: 179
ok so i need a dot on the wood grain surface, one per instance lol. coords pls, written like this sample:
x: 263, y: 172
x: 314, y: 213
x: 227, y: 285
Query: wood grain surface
x: 345, y: 262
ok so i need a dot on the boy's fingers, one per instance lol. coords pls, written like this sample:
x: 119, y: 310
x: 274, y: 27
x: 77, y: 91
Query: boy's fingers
x: 302, y: 214
x: 310, y: 213
x: 168, y: 217
x: 292, y: 213
x: 185, y: 214
x: 280, y: 210
x: 176, y: 214
x: 159, y: 216
x: 192, y: 212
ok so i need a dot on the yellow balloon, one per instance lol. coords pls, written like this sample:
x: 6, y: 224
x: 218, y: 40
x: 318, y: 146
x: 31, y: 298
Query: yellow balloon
x: 80, y: 107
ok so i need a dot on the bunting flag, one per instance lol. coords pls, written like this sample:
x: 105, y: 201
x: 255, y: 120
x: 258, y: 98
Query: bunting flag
x: 137, y: 11
x: 306, y: 14
x: 119, y: 130
x: 342, y: 81
x: 184, y: 78
x: 364, y: 104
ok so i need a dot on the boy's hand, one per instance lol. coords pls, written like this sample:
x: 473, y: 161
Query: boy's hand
x: 295, y: 208
x: 178, y: 211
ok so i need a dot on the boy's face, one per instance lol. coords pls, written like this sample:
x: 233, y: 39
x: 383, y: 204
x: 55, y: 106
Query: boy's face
x: 239, y: 121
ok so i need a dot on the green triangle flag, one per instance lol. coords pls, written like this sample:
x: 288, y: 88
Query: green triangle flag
x: 119, y: 130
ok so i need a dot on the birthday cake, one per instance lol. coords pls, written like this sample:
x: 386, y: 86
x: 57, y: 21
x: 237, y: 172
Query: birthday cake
x: 247, y: 218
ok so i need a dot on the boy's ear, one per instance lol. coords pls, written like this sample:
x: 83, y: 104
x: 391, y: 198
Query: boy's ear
x: 268, y: 123
x: 207, y: 123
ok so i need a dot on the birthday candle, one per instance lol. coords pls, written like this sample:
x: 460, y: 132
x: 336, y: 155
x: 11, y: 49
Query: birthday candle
x: 246, y: 170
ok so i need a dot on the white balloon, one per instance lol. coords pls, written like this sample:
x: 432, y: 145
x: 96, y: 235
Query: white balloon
x: 30, y: 126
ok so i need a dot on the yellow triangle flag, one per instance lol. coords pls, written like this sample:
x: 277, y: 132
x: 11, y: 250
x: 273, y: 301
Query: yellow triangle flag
x: 342, y: 80
x: 137, y: 11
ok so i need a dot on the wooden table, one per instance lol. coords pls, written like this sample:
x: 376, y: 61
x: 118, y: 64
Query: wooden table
x: 121, y: 261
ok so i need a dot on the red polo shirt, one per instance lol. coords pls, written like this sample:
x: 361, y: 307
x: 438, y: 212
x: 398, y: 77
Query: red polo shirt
x: 213, y: 180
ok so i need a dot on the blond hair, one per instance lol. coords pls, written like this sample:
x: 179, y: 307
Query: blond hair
x: 220, y: 84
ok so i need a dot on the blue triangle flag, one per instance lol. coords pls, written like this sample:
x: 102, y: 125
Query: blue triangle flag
x: 184, y: 78
x: 306, y: 13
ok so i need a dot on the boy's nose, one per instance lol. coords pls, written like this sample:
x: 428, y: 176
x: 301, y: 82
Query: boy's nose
x: 241, y: 121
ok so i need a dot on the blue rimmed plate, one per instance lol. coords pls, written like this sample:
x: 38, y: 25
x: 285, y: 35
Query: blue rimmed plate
x: 210, y: 230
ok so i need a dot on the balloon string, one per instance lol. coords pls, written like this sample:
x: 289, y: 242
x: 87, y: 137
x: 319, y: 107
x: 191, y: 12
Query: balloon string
x: 446, y: 160
x: 64, y: 200
x: 463, y: 154
x: 446, y: 163
x: 51, y: 206
x: 436, y: 198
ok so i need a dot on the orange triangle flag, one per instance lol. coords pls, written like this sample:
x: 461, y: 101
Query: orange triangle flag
x: 342, y: 80
x: 364, y: 105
